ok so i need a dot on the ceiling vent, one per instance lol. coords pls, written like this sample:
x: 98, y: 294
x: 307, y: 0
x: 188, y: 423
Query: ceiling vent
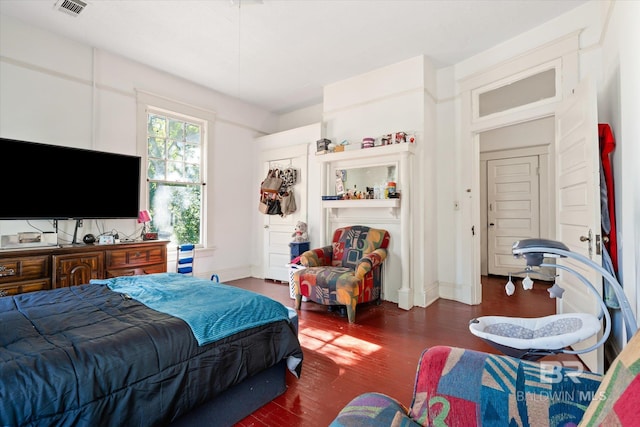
x: 71, y: 7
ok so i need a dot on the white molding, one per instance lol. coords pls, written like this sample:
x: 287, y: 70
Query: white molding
x: 299, y: 150
x: 295, y: 136
x: 459, y: 293
x: 361, y: 203
x: 549, y: 51
x: 565, y: 48
x: 364, y: 153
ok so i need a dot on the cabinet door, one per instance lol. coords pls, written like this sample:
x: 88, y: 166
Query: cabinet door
x: 77, y: 269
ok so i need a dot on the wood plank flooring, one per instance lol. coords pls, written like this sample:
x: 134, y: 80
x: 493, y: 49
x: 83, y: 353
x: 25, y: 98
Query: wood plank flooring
x: 380, y: 352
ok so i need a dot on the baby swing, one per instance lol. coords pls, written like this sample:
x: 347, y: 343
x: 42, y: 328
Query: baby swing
x: 533, y: 338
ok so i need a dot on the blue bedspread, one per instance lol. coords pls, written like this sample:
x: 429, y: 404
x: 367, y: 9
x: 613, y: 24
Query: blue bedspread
x: 212, y: 310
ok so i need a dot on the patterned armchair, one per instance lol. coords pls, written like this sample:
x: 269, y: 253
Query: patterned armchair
x: 347, y: 273
x: 459, y: 387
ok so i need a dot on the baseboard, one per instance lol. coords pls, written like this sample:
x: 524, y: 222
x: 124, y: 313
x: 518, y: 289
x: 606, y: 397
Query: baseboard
x: 425, y: 297
x: 460, y: 293
x: 228, y: 274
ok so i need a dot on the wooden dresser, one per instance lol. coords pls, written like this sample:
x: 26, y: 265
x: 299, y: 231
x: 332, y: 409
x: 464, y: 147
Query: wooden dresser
x: 27, y: 270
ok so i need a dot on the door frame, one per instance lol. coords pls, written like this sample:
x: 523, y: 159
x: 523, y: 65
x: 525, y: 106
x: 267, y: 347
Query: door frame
x: 563, y: 54
x: 546, y: 199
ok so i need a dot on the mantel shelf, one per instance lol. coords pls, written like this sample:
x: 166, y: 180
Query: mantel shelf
x: 364, y: 153
x: 362, y: 203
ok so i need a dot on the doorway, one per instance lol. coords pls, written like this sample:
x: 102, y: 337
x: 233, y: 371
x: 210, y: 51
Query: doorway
x: 513, y: 213
x: 277, y: 230
x: 516, y: 191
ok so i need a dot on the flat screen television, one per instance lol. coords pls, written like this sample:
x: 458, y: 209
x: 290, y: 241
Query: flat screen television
x: 55, y: 182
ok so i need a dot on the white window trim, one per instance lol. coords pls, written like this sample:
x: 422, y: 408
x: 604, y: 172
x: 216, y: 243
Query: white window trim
x: 148, y: 102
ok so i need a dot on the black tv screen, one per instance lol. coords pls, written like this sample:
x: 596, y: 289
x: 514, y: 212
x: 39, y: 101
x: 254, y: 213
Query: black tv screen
x: 55, y: 182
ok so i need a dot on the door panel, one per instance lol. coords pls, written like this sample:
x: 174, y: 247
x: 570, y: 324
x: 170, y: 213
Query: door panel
x: 513, y: 196
x: 277, y: 229
x: 578, y: 204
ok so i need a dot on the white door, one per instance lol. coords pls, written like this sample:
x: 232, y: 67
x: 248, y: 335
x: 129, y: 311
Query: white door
x: 578, y: 204
x: 513, y: 210
x: 277, y: 229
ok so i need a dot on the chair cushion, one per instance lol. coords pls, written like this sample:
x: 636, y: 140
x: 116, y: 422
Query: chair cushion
x: 616, y: 401
x: 350, y: 244
x: 338, y: 285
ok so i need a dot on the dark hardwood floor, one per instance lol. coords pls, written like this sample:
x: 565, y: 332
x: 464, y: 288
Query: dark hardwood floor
x: 380, y: 352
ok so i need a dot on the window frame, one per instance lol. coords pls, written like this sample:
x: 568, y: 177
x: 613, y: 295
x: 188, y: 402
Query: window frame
x: 150, y: 103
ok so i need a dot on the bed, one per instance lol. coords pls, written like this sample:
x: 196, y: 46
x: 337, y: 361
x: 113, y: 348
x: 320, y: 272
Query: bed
x: 99, y: 354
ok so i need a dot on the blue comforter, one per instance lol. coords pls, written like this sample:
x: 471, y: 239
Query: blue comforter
x: 212, y: 310
x: 88, y: 356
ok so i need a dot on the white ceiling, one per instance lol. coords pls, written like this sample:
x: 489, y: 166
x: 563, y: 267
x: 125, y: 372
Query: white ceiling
x: 280, y: 53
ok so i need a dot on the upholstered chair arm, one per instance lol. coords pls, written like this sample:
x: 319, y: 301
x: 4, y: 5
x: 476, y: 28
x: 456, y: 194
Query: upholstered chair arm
x: 317, y: 257
x: 370, y: 261
x: 373, y: 409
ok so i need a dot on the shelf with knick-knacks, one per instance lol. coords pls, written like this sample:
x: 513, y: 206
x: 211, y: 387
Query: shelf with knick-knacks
x: 363, y: 153
x: 362, y: 186
x: 365, y: 178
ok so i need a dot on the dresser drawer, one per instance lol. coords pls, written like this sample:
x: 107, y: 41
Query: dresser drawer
x: 147, y: 269
x: 24, y: 268
x: 15, y: 288
x: 135, y: 257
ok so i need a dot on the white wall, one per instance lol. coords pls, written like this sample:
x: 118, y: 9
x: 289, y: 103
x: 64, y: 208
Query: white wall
x: 58, y: 91
x: 300, y: 118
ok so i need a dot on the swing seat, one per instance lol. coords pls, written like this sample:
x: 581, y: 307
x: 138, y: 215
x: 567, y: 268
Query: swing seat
x: 533, y: 338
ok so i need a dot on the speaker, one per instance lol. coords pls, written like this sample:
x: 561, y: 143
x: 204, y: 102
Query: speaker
x: 89, y: 239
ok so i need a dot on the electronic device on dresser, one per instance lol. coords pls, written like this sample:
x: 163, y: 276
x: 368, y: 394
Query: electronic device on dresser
x: 113, y: 181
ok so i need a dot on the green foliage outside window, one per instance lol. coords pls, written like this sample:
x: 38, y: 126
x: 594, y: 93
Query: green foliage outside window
x: 174, y: 155
x: 176, y: 209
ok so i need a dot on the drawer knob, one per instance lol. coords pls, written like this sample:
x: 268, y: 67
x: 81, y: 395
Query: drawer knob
x: 4, y: 271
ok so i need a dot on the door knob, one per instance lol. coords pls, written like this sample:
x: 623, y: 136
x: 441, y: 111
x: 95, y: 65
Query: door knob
x: 585, y: 239
x: 266, y: 226
x: 491, y: 224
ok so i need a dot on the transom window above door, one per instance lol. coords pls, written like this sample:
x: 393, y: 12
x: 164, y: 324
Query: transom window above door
x: 524, y: 90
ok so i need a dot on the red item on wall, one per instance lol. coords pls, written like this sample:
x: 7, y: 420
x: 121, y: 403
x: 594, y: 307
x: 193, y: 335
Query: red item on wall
x: 607, y: 145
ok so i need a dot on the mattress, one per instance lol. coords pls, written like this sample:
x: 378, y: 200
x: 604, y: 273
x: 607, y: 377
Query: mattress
x: 87, y: 355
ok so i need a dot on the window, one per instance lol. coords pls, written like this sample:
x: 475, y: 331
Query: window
x: 521, y: 92
x: 175, y: 146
